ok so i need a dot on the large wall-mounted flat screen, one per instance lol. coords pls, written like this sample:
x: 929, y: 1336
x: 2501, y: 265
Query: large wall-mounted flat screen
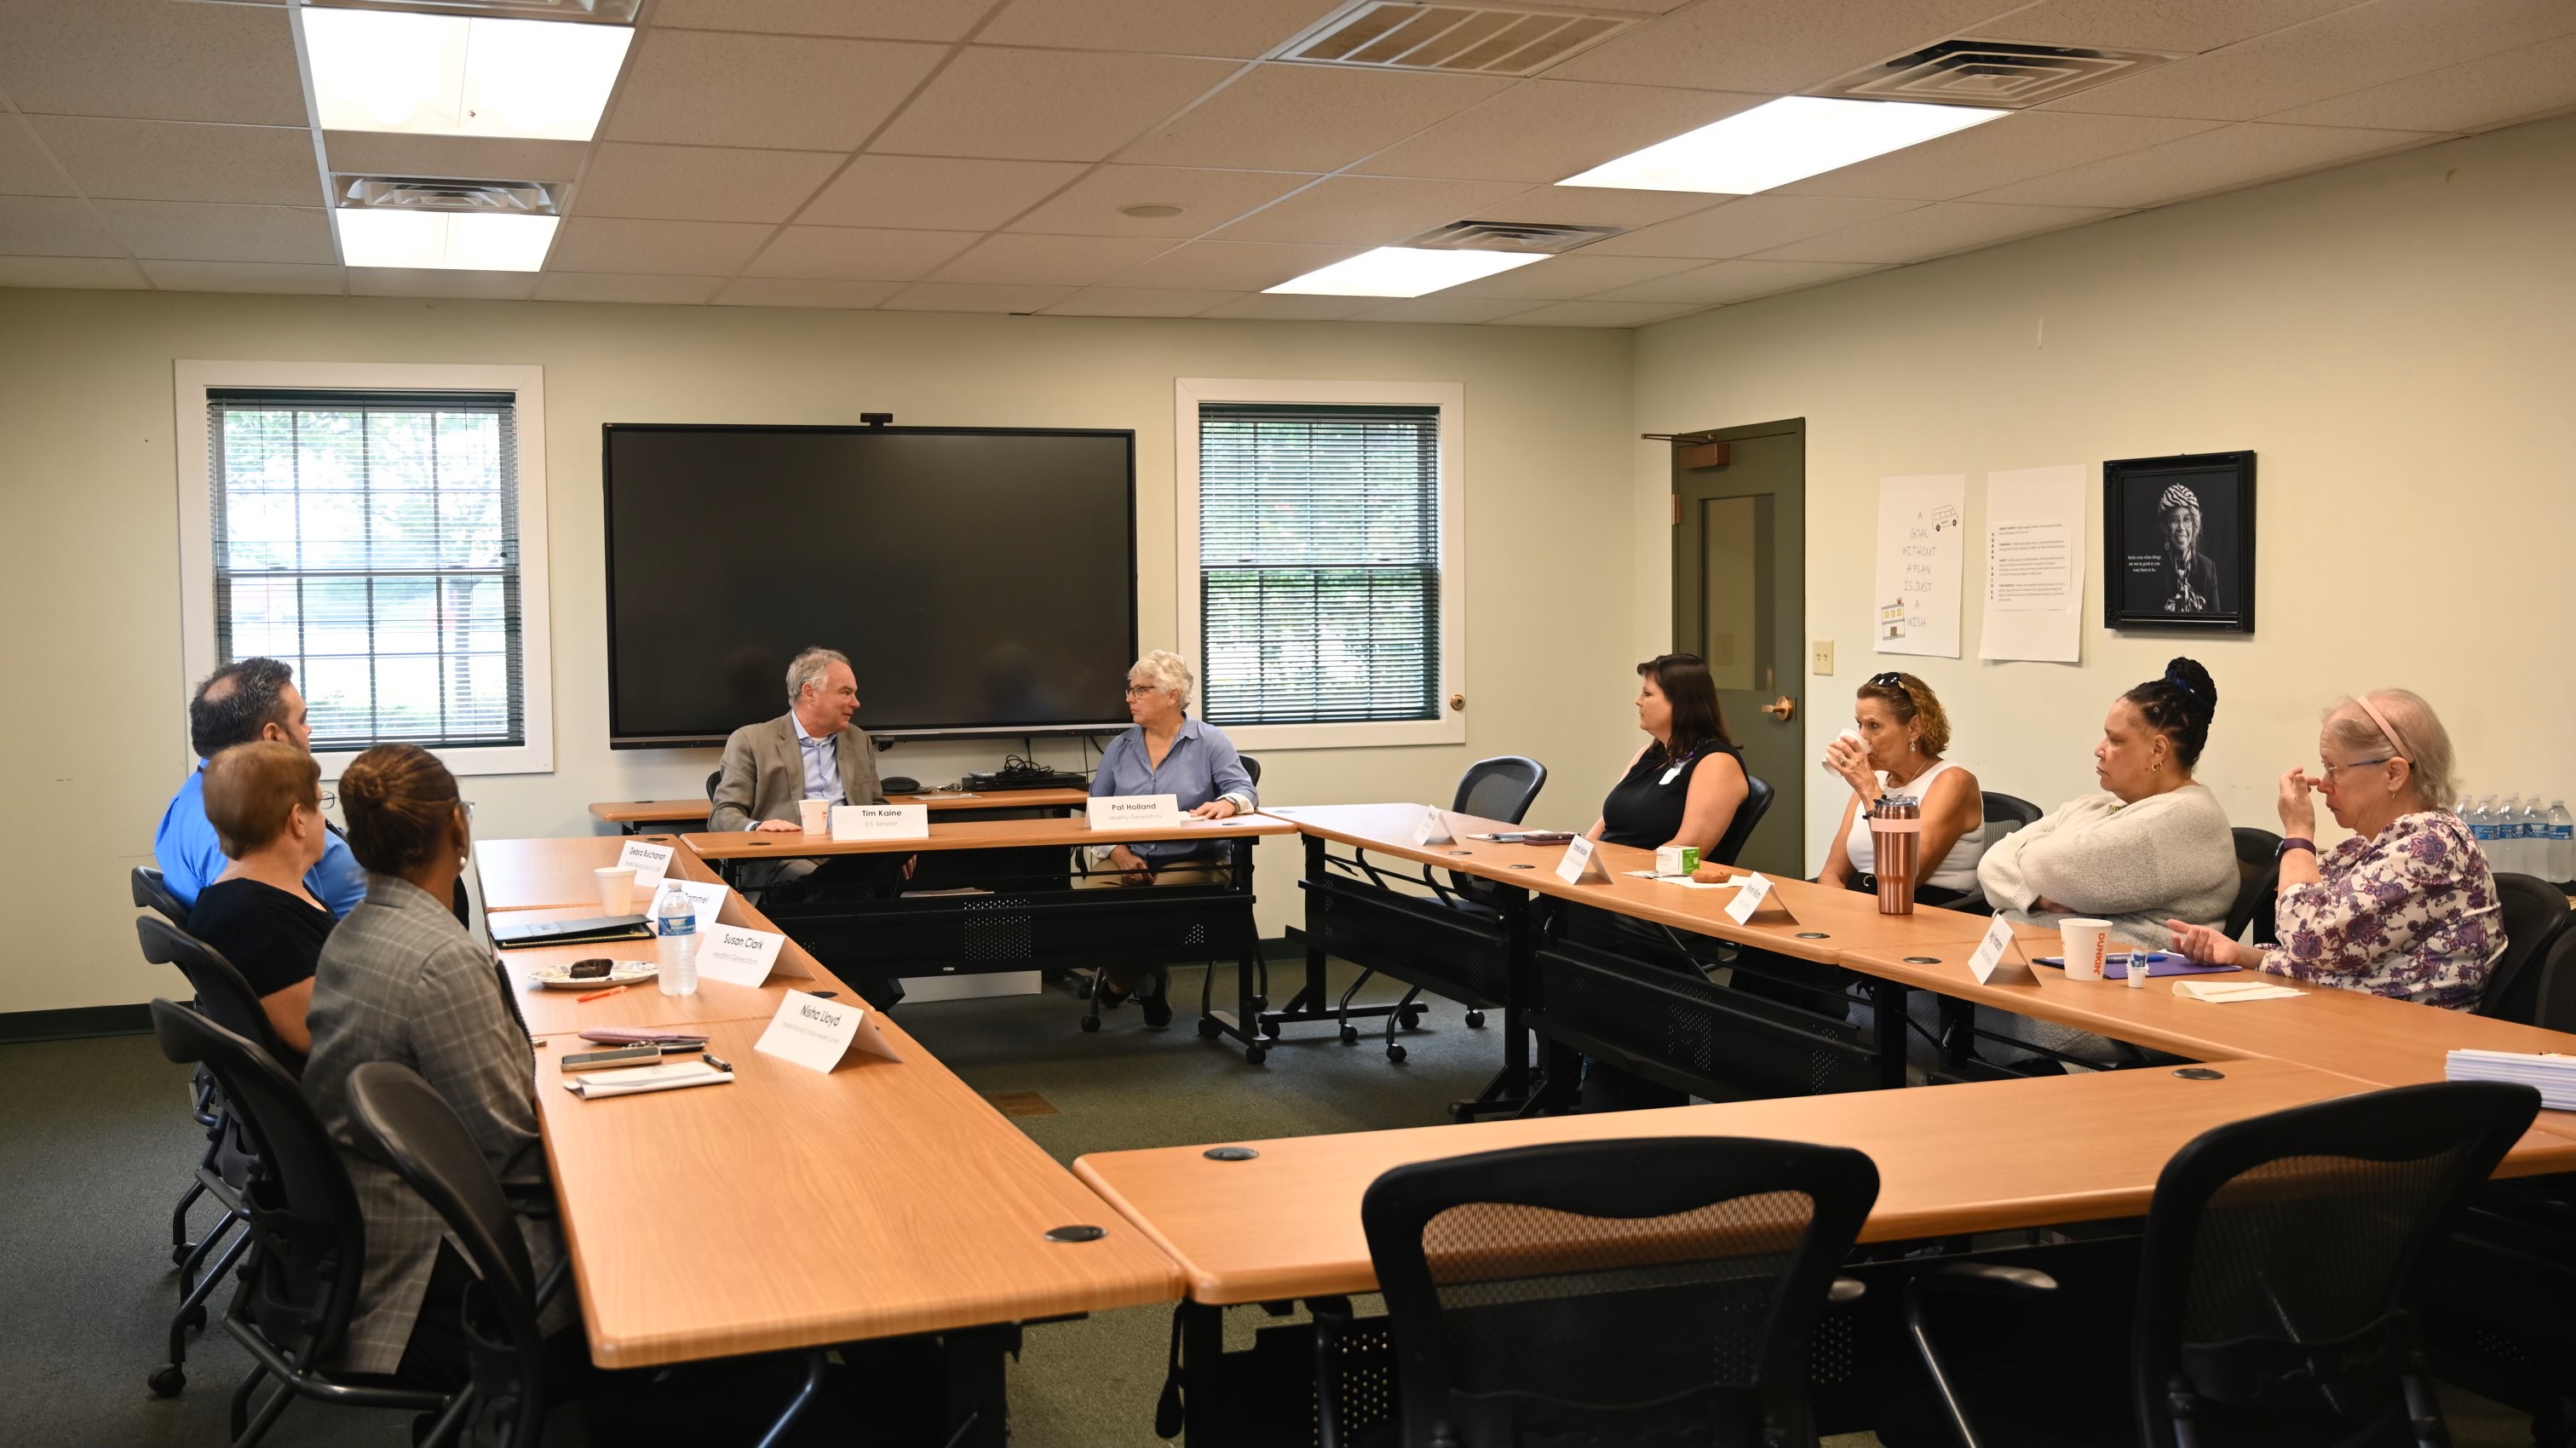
x: 982, y: 580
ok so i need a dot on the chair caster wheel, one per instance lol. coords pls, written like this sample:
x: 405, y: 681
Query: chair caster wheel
x: 194, y: 1319
x: 1350, y: 1035
x: 1395, y: 1054
x: 1209, y: 1030
x: 1256, y: 1054
x: 166, y: 1381
x: 1411, y: 1020
x: 1270, y: 1029
x: 1090, y: 1023
x: 1476, y: 1020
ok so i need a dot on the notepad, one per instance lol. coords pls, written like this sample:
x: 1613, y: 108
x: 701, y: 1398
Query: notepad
x: 634, y: 1080
x: 2228, y: 992
x: 2548, y: 1072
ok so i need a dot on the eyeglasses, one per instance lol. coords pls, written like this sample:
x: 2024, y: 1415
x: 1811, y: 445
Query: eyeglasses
x: 2329, y: 770
x: 328, y: 800
x: 1138, y: 691
x: 1889, y: 680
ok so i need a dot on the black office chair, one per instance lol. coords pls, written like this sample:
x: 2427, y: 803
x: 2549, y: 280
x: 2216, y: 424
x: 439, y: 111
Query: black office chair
x: 1089, y: 989
x: 2535, y: 914
x: 2258, y: 884
x: 1757, y: 803
x: 151, y: 893
x: 402, y: 1121
x: 1252, y: 767
x: 2277, y: 1292
x: 2006, y: 813
x: 714, y: 778
x: 1612, y: 1292
x: 299, y: 1287
x: 2555, y: 1009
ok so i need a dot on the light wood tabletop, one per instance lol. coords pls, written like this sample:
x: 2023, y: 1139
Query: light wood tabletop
x: 679, y: 811
x: 644, y: 1007
x: 972, y: 835
x: 794, y: 1209
x: 1951, y: 1159
x: 557, y: 873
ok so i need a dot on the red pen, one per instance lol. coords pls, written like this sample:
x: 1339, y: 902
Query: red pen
x: 598, y: 995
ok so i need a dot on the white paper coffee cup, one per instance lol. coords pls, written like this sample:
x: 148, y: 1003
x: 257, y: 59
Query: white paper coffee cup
x: 2086, y: 943
x: 815, y: 815
x: 616, y: 889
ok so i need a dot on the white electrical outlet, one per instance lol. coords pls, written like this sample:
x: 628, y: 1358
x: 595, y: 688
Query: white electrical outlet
x: 1824, y: 665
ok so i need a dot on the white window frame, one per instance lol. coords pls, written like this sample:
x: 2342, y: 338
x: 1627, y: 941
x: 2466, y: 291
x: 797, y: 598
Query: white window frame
x: 197, y: 542
x: 1451, y: 398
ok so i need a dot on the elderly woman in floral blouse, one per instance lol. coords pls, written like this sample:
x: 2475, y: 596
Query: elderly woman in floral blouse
x: 2406, y: 907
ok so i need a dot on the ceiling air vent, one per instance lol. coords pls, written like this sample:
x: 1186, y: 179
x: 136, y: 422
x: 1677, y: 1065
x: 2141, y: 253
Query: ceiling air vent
x: 418, y: 193
x: 1460, y: 39
x: 597, y: 12
x: 1509, y: 236
x: 1992, y: 73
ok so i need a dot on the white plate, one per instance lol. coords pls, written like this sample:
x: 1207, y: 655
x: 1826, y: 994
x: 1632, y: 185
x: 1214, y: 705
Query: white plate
x: 624, y: 972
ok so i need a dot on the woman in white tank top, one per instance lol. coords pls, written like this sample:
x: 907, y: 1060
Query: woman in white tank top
x: 1903, y: 732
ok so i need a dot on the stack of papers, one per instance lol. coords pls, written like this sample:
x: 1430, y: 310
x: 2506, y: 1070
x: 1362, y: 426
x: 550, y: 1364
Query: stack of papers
x: 2227, y: 992
x: 2552, y: 1074
x: 630, y: 1080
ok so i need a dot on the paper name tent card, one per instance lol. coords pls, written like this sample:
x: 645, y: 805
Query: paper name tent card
x: 2229, y: 992
x: 2549, y: 1073
x: 635, y: 1080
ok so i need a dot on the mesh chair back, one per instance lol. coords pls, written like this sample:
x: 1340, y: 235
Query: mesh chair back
x: 2555, y: 1010
x: 1651, y: 1291
x: 2006, y: 813
x: 2258, y: 883
x: 1502, y: 788
x: 2282, y: 1257
x: 151, y: 892
x: 222, y: 993
x: 1757, y: 803
x: 1251, y: 769
x: 300, y: 1285
x: 2535, y: 914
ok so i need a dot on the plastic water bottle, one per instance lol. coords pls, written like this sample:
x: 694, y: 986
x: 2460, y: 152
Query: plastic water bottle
x: 2517, y: 842
x: 2531, y: 827
x: 2562, y: 844
x: 675, y: 938
x: 2480, y: 819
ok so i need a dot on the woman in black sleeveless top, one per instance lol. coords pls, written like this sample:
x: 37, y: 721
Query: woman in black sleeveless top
x: 1666, y: 797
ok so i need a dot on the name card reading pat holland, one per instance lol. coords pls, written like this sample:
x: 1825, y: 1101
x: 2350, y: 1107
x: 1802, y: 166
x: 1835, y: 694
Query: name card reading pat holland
x: 738, y: 954
x: 649, y: 862
x: 815, y: 1033
x: 1133, y: 811
x: 880, y: 822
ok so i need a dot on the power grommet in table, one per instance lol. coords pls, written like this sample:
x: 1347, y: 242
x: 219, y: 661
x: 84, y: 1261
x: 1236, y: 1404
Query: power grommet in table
x: 1229, y: 1153
x: 2200, y: 1073
x: 1076, y: 1234
x: 1922, y: 960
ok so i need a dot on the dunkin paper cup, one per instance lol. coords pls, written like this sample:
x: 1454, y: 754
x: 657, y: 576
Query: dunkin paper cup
x: 616, y: 889
x: 816, y: 815
x: 2086, y: 942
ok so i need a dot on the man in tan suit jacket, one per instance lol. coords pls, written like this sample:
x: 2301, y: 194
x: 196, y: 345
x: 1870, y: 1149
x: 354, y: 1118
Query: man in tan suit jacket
x: 811, y: 752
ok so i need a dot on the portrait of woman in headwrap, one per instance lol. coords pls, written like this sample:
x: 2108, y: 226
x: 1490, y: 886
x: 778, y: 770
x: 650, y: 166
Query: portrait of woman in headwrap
x: 2186, y: 579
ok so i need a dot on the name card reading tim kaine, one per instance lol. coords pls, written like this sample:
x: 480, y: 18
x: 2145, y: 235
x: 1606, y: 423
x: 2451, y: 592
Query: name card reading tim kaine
x: 880, y: 822
x: 1133, y: 811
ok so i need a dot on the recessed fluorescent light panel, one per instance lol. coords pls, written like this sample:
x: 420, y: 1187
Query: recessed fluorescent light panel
x: 1779, y: 142
x: 456, y: 75
x: 443, y: 240
x: 1403, y: 271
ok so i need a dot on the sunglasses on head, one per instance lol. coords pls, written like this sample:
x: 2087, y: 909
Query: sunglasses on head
x: 1889, y: 680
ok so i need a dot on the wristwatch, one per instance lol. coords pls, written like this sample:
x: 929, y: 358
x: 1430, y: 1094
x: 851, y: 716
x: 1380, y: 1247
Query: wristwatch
x: 2292, y: 843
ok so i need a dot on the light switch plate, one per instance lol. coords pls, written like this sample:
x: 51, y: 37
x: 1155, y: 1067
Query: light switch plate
x: 1824, y: 652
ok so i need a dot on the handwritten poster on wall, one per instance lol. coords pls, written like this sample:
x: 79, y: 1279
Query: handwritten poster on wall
x: 1922, y: 528
x: 2035, y: 544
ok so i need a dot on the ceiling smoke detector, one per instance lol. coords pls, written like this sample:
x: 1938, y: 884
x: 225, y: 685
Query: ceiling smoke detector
x: 1994, y: 73
x: 1510, y: 236
x: 1457, y: 39
x: 423, y: 193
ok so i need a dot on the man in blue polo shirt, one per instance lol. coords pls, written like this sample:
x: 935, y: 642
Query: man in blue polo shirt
x: 238, y: 703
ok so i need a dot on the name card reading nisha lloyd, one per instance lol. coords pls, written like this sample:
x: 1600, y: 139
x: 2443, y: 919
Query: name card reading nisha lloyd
x: 816, y: 1034
x: 1133, y: 811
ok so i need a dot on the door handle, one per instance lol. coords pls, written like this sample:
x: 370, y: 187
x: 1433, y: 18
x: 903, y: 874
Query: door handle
x: 1781, y: 708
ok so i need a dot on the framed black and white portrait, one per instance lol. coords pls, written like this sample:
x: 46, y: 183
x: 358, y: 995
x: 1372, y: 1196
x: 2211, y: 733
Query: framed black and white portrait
x: 2178, y: 542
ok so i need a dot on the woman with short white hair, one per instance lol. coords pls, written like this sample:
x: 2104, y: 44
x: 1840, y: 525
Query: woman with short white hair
x: 1167, y: 752
x: 2405, y: 908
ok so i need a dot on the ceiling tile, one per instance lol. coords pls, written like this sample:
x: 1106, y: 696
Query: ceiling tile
x: 705, y: 88
x: 1749, y: 224
x: 1935, y: 230
x: 24, y: 171
x: 1598, y: 314
x: 1548, y: 130
x: 949, y: 297
x: 381, y: 281
x: 1736, y: 281
x: 52, y: 226
x: 2334, y: 55
x: 942, y: 20
x: 2015, y: 148
x: 184, y: 160
x: 700, y: 183
x: 1046, y: 105
x: 1772, y: 46
x: 1050, y: 261
x: 1371, y: 210
x: 803, y: 292
x: 484, y: 158
x: 1238, y: 28
x: 85, y: 273
x: 1258, y: 307
x: 613, y: 287
x: 1605, y: 206
x: 935, y: 192
x: 1241, y: 266
x: 848, y: 253
x: 305, y: 278
x: 151, y: 59
x: 2183, y: 27
x: 2473, y: 96
x: 664, y: 248
x: 1447, y: 307
x: 1308, y: 117
x: 1208, y: 199
x: 1138, y: 302
x: 188, y: 231
x: 1564, y: 278
x: 2215, y: 160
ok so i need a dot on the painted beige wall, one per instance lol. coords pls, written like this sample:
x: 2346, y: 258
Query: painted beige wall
x: 91, y: 754
x: 2396, y: 340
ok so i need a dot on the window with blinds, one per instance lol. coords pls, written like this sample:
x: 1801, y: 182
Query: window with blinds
x: 1319, y: 563
x: 371, y: 540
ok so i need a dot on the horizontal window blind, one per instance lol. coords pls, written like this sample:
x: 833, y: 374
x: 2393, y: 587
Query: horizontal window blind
x: 371, y: 541
x: 1319, y: 563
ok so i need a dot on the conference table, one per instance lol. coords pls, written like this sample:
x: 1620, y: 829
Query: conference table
x: 631, y: 815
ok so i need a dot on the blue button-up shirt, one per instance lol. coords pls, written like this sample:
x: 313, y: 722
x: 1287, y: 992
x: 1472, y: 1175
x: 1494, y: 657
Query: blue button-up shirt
x: 1201, y: 766
x: 191, y: 857
x: 822, y: 764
